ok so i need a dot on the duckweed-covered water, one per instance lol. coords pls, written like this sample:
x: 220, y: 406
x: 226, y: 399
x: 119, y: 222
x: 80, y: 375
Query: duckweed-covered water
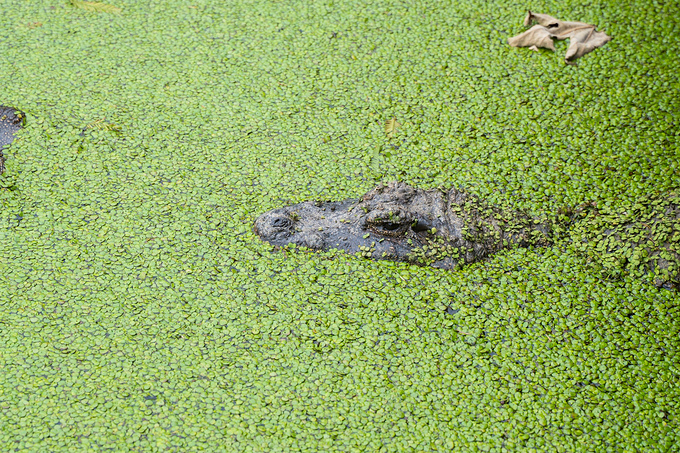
x: 139, y: 312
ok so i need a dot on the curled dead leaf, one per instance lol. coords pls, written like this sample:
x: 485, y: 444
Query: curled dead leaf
x: 583, y: 38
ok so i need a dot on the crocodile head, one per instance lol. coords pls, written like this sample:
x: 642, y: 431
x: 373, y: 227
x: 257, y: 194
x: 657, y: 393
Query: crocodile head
x: 399, y: 223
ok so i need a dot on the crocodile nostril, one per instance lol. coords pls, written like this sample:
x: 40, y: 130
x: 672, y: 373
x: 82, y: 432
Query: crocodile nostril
x: 281, y: 222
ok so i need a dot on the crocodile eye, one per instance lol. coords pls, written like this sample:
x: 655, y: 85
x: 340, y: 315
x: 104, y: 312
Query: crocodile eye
x: 388, y: 226
x: 388, y: 222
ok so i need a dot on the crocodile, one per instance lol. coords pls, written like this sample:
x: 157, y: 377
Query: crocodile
x: 11, y: 120
x: 449, y: 228
x: 441, y: 228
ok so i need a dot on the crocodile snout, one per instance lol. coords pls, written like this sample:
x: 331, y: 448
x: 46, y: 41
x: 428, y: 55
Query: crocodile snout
x: 275, y: 224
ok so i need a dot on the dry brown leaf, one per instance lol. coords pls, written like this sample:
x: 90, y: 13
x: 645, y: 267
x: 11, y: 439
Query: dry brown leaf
x: 102, y: 125
x: 391, y: 127
x: 583, y: 38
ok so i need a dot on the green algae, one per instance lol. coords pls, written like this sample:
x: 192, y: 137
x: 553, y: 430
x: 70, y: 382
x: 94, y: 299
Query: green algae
x: 140, y: 313
x: 638, y: 239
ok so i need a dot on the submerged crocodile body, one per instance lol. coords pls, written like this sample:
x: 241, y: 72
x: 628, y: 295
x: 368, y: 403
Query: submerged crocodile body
x: 396, y: 222
x: 11, y: 120
x: 447, y: 229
